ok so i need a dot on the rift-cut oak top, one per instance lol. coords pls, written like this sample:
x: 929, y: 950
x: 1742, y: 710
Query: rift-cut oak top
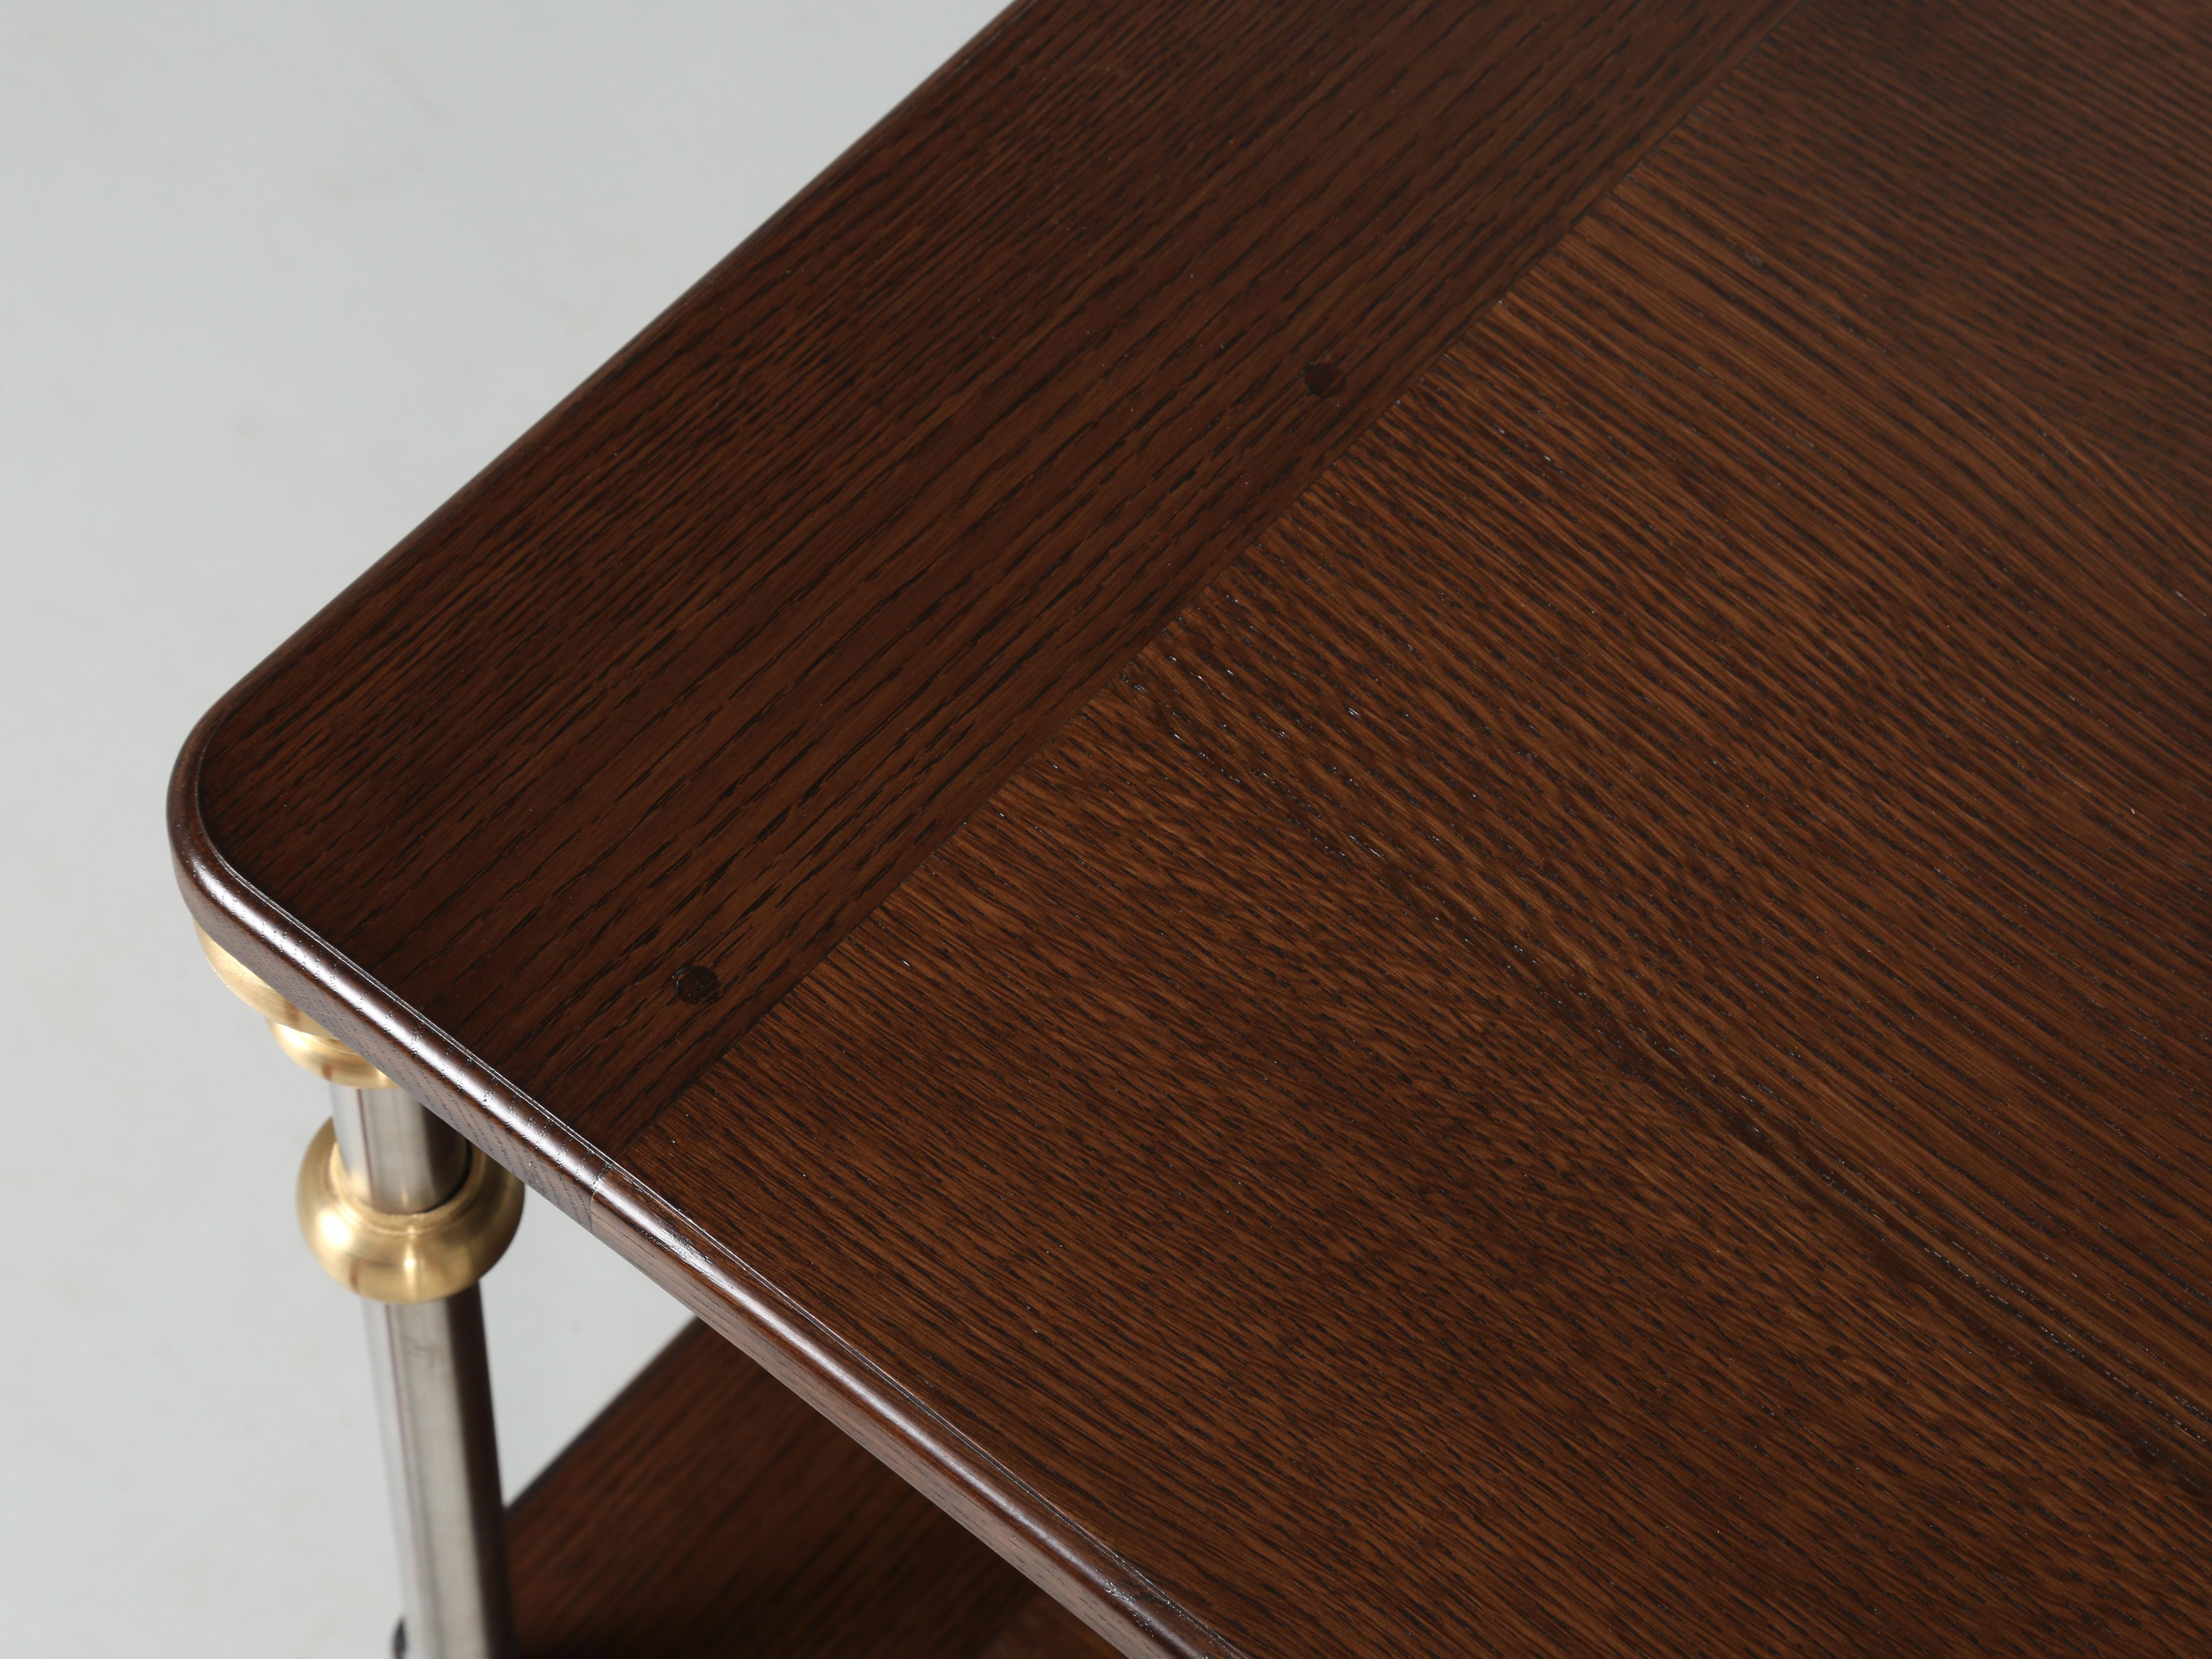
x: 1549, y: 998
x: 594, y: 766
x: 1602, y: 1046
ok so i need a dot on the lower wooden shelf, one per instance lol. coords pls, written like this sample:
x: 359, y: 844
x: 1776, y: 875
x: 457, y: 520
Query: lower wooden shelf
x: 707, y: 1512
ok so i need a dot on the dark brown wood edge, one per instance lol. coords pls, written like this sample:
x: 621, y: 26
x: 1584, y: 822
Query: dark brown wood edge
x: 490, y: 1109
x: 548, y: 1156
x: 1103, y: 1589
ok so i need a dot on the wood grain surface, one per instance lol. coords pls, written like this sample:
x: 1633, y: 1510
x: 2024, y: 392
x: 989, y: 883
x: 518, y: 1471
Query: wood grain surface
x: 709, y: 1515
x: 1601, y: 1047
x: 553, y: 803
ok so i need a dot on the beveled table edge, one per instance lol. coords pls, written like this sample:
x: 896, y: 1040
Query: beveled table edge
x: 1108, y: 1592
x: 546, y: 1154
x: 1050, y: 1549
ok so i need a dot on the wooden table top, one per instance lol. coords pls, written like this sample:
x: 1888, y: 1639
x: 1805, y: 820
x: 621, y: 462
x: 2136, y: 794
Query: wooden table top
x: 1389, y: 820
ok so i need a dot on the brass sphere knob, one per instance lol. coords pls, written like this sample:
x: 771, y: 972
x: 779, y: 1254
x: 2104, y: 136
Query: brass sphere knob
x: 419, y: 1257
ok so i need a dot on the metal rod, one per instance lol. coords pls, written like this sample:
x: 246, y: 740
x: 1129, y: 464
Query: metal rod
x: 401, y: 1157
x: 434, y: 1396
x: 401, y: 1211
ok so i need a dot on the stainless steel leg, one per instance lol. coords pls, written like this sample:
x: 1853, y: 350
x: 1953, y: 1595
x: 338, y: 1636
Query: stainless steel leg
x: 434, y: 1395
x: 400, y: 1158
x: 406, y: 1214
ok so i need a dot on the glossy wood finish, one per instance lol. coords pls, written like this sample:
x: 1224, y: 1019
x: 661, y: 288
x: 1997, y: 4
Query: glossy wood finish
x: 555, y: 801
x: 1601, y: 1047
x: 709, y: 1515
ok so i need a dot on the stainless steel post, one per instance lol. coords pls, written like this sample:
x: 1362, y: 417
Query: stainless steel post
x: 434, y: 1394
x: 406, y: 1214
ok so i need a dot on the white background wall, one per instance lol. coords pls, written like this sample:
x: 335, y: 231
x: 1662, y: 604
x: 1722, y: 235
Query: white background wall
x: 275, y: 279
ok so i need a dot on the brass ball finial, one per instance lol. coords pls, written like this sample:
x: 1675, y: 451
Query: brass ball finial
x: 423, y: 1256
